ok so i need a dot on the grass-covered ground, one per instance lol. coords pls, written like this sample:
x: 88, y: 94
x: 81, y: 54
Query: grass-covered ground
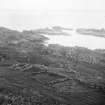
x: 34, y: 74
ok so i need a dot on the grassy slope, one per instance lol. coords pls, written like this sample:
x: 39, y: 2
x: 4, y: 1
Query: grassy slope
x: 49, y: 75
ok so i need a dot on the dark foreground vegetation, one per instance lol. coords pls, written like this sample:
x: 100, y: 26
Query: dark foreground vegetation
x: 34, y: 74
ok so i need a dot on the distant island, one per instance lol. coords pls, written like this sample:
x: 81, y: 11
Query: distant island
x: 55, y: 30
x: 92, y: 32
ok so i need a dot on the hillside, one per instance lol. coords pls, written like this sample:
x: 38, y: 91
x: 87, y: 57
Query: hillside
x: 34, y: 74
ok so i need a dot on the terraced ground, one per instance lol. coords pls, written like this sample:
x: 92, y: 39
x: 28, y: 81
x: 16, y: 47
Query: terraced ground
x: 48, y: 87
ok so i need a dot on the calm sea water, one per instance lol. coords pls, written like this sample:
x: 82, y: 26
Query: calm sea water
x: 75, y: 39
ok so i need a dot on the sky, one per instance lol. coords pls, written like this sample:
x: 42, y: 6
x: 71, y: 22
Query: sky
x: 31, y: 14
